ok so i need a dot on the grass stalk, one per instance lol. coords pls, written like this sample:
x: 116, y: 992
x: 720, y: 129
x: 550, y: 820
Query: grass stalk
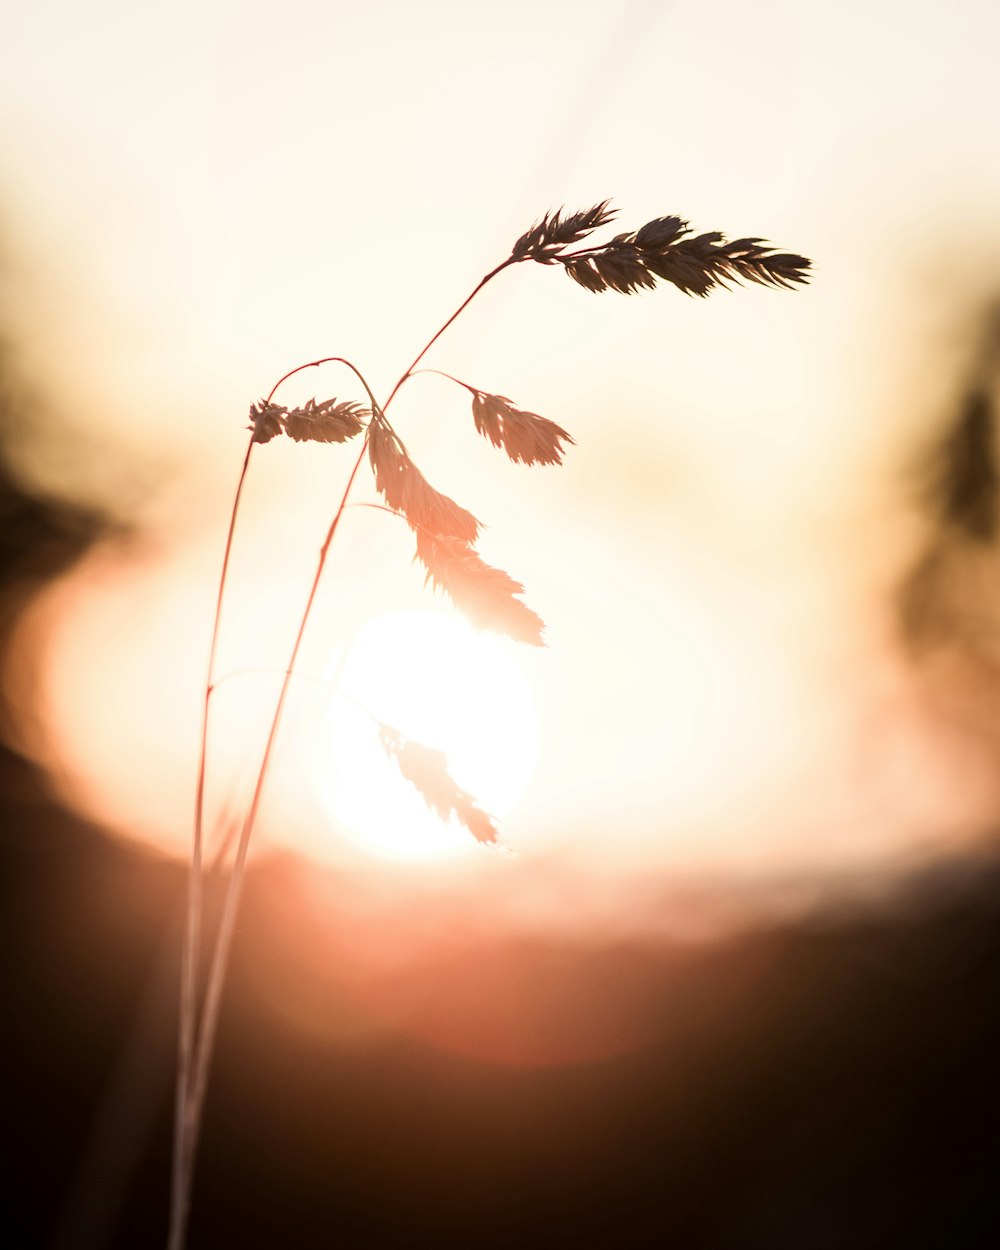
x: 197, y: 1043
x: 191, y: 951
x: 663, y: 250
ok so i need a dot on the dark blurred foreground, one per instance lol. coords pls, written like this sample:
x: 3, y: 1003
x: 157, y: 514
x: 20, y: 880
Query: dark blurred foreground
x: 843, y: 1097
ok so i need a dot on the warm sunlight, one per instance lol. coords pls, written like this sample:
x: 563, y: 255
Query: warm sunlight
x: 500, y: 622
x: 442, y: 684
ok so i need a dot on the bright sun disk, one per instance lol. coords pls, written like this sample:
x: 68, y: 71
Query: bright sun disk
x: 442, y: 684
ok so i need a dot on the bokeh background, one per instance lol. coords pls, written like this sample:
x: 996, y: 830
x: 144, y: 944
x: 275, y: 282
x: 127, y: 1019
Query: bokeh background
x: 736, y: 986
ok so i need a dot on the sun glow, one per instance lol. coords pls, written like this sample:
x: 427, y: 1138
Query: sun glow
x: 442, y: 684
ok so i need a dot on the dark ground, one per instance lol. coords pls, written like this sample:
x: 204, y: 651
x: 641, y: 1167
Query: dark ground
x: 842, y: 1097
x: 846, y: 1100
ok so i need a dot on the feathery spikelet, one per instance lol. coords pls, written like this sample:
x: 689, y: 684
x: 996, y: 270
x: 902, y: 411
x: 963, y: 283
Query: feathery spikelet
x: 486, y: 595
x: 266, y: 421
x: 546, y: 239
x: 617, y: 268
x: 525, y: 436
x: 427, y: 769
x: 326, y: 422
x: 663, y: 248
x: 406, y: 490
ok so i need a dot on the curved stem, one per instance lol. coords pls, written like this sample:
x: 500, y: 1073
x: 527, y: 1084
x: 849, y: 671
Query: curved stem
x: 187, y: 1108
x: 205, y: 1040
x: 434, y: 337
x: 262, y: 670
x: 474, y: 390
x: 213, y: 993
x: 325, y: 360
x: 191, y: 954
x: 316, y: 681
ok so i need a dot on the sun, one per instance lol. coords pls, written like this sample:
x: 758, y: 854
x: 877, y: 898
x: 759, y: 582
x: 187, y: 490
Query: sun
x: 440, y: 683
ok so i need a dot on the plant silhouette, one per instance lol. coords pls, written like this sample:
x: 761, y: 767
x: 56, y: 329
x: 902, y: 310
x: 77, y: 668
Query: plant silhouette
x: 445, y: 534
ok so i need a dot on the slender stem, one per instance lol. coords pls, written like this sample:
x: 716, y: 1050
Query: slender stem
x: 451, y: 378
x: 187, y: 1108
x: 191, y: 954
x: 205, y: 1040
x: 434, y: 337
x: 325, y: 360
x: 263, y: 670
x: 220, y: 959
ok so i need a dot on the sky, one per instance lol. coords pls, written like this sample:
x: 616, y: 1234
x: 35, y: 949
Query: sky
x: 195, y: 198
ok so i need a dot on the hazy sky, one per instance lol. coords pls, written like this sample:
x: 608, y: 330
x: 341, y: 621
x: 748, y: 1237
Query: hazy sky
x: 196, y: 197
